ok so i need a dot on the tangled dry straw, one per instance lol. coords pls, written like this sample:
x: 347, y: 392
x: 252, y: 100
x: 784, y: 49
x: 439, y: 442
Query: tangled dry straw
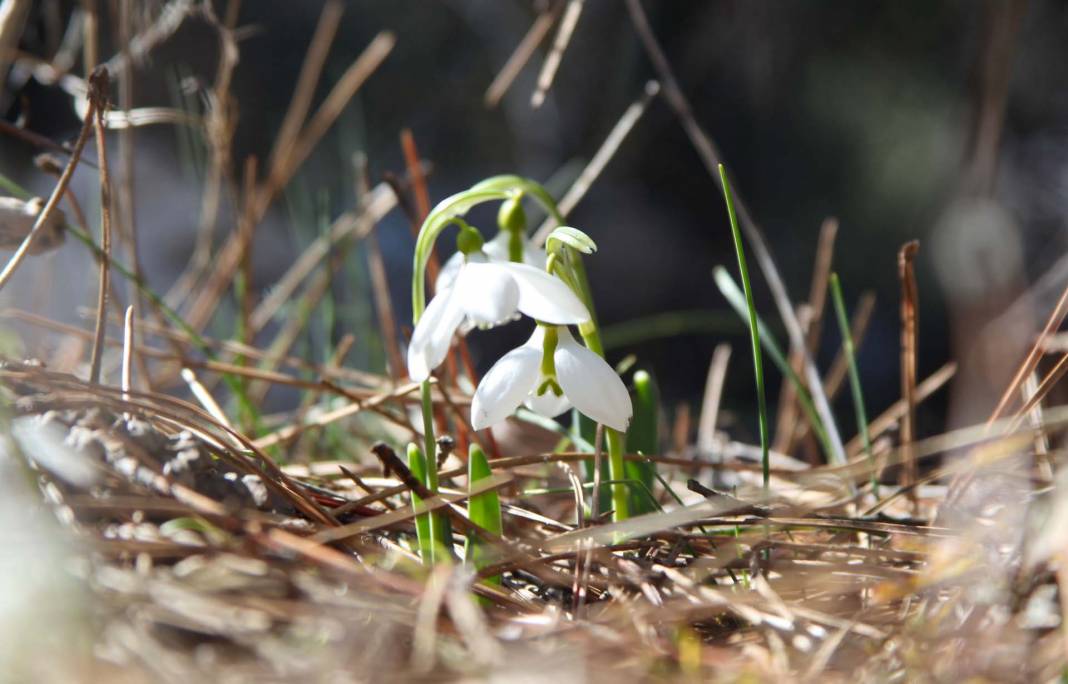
x: 206, y: 560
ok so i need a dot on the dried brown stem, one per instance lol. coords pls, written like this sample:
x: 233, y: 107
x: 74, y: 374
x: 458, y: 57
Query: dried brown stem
x: 556, y: 54
x: 786, y: 426
x: 909, y: 333
x: 1029, y: 364
x: 717, y: 374
x: 600, y: 160
x: 99, y: 85
x: 522, y: 54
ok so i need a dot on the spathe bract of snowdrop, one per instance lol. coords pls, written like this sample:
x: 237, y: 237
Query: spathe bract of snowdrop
x: 550, y: 373
x: 487, y: 293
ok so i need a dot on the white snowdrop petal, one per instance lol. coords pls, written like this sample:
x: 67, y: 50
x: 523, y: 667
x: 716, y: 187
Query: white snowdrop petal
x: 449, y: 270
x: 546, y: 298
x: 548, y: 404
x: 504, y: 386
x: 487, y: 293
x: 433, y: 335
x: 591, y: 384
x: 497, y: 247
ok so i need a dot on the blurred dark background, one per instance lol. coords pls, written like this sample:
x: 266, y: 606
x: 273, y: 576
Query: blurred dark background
x: 876, y: 113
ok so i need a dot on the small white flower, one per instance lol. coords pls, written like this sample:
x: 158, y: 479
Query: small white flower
x: 488, y: 294
x: 586, y: 381
x: 496, y: 251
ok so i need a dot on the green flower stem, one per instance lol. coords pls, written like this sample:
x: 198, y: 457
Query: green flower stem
x: 515, y: 247
x: 617, y: 471
x: 591, y: 335
x: 513, y: 220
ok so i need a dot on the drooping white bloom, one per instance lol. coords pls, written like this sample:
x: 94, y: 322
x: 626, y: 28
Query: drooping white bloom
x: 488, y: 293
x: 587, y: 381
x: 496, y: 251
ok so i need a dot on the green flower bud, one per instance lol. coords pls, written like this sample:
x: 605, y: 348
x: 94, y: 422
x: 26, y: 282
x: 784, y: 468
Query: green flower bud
x: 511, y: 218
x: 469, y: 240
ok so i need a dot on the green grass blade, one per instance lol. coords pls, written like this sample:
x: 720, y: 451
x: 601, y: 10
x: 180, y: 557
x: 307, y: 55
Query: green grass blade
x: 754, y: 330
x: 483, y: 510
x: 854, y: 375
x: 736, y: 299
x: 643, y: 436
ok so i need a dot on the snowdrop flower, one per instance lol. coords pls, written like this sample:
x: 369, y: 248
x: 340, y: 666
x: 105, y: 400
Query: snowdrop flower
x: 488, y: 293
x: 496, y: 251
x: 550, y: 373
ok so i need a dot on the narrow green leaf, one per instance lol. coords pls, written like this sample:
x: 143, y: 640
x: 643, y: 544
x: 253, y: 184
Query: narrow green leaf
x: 417, y: 464
x: 754, y: 330
x: 643, y: 436
x: 483, y: 510
x: 736, y: 299
x: 854, y: 375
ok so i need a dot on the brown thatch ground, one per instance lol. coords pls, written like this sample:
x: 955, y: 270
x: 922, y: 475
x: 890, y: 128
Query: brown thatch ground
x: 201, y: 559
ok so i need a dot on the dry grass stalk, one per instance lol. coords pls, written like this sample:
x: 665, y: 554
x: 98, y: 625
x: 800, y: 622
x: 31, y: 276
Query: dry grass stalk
x: 909, y: 334
x: 284, y: 164
x: 522, y: 54
x: 99, y: 85
x: 356, y: 224
x: 600, y: 159
x: 817, y: 299
x: 127, y: 352
x: 717, y: 374
x: 835, y: 377
x: 556, y: 54
x: 13, y: 14
x: 1029, y: 364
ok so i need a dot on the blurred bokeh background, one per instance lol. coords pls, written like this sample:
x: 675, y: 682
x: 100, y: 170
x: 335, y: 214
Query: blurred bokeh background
x: 946, y: 122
